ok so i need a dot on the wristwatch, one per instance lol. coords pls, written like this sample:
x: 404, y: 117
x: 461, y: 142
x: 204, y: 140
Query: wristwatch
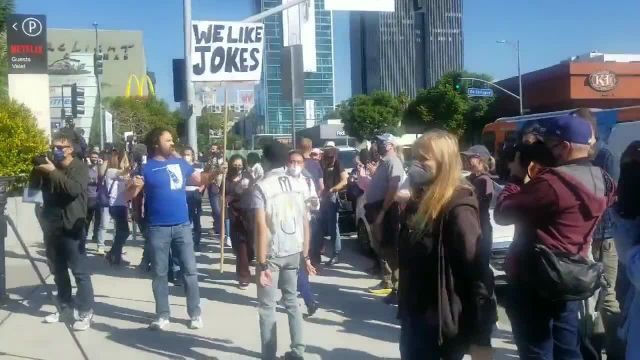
x: 263, y: 266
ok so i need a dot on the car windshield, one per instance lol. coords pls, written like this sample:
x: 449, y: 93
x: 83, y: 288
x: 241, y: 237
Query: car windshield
x: 346, y: 158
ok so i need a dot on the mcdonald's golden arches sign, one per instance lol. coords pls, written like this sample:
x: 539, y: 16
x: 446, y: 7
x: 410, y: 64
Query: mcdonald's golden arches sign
x: 140, y: 86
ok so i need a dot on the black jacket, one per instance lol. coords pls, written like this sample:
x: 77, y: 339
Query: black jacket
x: 443, y: 276
x: 64, y: 192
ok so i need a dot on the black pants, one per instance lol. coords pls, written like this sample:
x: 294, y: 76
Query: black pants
x: 94, y: 212
x: 63, y: 254
x: 194, y: 201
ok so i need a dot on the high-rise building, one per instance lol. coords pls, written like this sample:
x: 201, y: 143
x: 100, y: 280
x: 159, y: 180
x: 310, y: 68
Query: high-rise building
x: 440, y: 39
x: 383, y: 47
x: 408, y: 49
x: 271, y: 107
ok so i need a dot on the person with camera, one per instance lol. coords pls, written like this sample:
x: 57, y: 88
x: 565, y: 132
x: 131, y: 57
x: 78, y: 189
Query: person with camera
x: 64, y: 191
x: 548, y: 265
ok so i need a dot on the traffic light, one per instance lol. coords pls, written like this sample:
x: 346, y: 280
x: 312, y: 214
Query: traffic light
x: 77, y: 101
x: 458, y: 86
x: 98, y: 63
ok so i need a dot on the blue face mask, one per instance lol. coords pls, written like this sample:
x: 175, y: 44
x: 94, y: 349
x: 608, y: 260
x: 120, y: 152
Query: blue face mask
x: 58, y: 155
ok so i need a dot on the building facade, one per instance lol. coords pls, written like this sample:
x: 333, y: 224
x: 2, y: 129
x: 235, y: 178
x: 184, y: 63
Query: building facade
x: 272, y: 109
x: 407, y: 50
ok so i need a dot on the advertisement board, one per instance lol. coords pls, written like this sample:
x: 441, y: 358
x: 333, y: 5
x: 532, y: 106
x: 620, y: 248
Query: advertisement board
x: 27, y: 44
x: 226, y: 51
x: 299, y: 28
x: 360, y: 5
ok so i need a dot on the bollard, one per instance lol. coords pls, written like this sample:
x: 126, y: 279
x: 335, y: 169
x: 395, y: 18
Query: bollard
x: 5, y: 182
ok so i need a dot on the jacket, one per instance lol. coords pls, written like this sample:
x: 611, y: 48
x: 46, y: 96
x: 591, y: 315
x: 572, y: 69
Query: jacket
x: 559, y: 208
x: 608, y: 162
x: 627, y: 240
x: 443, y: 276
x: 64, y: 192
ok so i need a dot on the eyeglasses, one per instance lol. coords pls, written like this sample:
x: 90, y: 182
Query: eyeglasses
x: 60, y: 147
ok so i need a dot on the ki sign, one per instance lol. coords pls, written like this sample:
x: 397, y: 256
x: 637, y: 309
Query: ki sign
x: 476, y: 92
x: 27, y: 44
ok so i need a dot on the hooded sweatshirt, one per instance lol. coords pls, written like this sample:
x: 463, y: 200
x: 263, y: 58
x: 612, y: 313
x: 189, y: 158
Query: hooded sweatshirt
x: 559, y: 209
x: 442, y: 275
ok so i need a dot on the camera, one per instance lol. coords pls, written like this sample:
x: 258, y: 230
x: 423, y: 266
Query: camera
x: 40, y: 159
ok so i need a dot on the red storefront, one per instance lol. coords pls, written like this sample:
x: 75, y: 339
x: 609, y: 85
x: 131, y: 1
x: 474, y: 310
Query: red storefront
x: 575, y: 84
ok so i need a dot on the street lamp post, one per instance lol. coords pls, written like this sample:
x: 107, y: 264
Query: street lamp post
x: 99, y: 93
x: 516, y: 45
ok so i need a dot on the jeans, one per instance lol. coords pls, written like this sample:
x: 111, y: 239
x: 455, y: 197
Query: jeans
x: 543, y: 330
x: 216, y: 210
x: 94, y: 213
x: 329, y: 209
x: 63, y: 253
x: 304, y: 287
x: 242, y: 242
x: 161, y: 240
x: 419, y: 340
x: 284, y: 275
x: 194, y: 202
x: 119, y: 214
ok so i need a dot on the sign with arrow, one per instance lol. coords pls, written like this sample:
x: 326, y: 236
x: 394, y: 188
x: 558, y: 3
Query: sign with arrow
x: 27, y: 44
x: 476, y: 92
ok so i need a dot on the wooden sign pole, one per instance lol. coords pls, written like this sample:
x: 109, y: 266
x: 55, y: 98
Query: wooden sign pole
x: 223, y: 206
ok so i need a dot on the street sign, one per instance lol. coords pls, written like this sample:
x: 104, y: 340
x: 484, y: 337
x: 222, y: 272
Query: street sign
x: 476, y: 92
x: 27, y: 44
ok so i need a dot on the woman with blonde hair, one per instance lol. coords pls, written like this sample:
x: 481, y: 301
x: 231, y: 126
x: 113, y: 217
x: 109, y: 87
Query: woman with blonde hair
x: 446, y: 307
x: 116, y: 179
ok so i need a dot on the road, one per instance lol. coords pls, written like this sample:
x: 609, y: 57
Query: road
x: 350, y: 325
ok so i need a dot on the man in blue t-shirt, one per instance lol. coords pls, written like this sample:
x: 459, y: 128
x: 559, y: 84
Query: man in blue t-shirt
x: 164, y: 178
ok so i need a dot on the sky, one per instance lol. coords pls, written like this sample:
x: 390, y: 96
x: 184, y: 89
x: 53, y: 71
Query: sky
x: 549, y: 31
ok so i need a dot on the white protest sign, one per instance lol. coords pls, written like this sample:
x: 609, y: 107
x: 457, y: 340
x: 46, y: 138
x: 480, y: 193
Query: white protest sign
x: 226, y: 51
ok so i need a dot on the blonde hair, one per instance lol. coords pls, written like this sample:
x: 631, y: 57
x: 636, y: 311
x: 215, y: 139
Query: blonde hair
x: 442, y: 147
x: 306, y: 145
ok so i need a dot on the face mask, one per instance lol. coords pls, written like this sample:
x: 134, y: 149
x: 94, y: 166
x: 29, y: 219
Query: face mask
x: 294, y: 171
x: 188, y: 158
x: 420, y: 175
x: 382, y: 150
x: 58, y: 155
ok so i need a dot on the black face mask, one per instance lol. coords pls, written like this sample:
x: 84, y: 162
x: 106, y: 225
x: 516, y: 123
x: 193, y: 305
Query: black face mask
x: 382, y: 149
x: 420, y: 175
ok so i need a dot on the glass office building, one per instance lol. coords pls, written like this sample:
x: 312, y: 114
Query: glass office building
x: 272, y: 108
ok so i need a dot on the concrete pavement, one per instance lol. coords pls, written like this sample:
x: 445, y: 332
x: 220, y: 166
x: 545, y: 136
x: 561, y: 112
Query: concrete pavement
x: 350, y: 325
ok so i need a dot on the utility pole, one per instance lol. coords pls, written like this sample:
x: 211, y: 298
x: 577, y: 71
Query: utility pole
x: 192, y: 134
x: 516, y: 46
x: 98, y: 105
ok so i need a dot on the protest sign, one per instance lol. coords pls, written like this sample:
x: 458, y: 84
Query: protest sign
x: 226, y: 51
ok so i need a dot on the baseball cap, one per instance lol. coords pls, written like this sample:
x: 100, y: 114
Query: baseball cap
x: 478, y: 150
x: 329, y: 144
x: 569, y: 128
x: 386, y: 138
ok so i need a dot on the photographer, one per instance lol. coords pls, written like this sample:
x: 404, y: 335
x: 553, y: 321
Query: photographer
x: 64, y: 191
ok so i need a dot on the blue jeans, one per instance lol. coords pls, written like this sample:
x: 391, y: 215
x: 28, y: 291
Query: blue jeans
x: 329, y: 210
x: 543, y: 330
x: 419, y: 340
x: 216, y: 212
x: 161, y: 240
x: 119, y: 215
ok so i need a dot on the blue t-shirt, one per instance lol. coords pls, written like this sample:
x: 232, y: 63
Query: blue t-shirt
x: 165, y: 196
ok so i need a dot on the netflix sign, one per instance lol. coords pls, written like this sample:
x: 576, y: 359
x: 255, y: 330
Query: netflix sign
x: 27, y: 44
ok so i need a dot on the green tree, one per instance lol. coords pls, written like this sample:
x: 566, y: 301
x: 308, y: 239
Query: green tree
x: 21, y: 139
x: 139, y: 115
x: 365, y: 116
x: 7, y: 8
x: 447, y: 106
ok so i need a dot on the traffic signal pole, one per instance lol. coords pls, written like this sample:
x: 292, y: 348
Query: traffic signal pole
x: 99, y: 94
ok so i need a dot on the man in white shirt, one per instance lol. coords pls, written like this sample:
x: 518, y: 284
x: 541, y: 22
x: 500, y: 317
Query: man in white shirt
x: 282, y: 237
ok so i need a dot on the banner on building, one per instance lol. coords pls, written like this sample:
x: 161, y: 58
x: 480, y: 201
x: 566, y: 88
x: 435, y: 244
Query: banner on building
x: 360, y: 5
x: 108, y: 126
x: 226, y: 51
x: 299, y: 28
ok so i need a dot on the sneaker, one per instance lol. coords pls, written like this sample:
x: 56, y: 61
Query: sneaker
x: 243, y: 286
x: 196, y: 323
x: 381, y: 290
x: 334, y: 260
x: 83, y: 322
x: 312, y: 309
x: 292, y: 356
x: 228, y: 241
x: 160, y: 323
x: 100, y: 251
x: 67, y: 314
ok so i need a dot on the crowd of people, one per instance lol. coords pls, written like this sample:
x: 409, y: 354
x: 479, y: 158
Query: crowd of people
x: 573, y: 268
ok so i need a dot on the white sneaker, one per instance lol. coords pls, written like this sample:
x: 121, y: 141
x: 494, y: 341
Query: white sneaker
x: 160, y: 323
x: 196, y: 323
x: 228, y: 241
x: 84, y: 321
x: 67, y: 315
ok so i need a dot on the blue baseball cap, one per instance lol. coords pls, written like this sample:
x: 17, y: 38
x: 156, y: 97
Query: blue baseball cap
x: 387, y: 138
x: 569, y: 128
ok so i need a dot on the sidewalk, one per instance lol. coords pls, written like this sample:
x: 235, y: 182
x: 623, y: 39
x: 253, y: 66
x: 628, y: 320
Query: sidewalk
x: 350, y: 325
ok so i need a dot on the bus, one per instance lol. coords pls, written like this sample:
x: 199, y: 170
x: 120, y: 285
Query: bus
x: 509, y: 129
